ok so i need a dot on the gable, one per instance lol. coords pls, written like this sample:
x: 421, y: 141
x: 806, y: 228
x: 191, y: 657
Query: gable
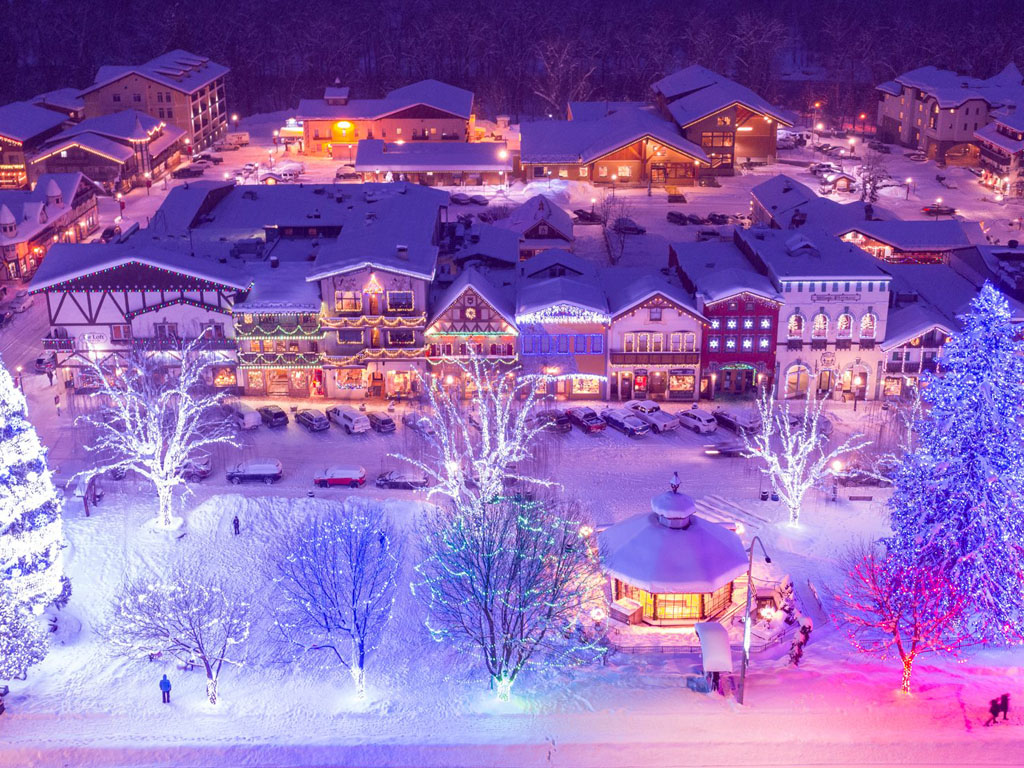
x: 469, y: 313
x: 544, y: 230
x: 421, y: 112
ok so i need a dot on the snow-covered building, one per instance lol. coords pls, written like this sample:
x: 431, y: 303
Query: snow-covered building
x: 61, y: 208
x: 427, y: 110
x: 23, y: 128
x: 914, y: 242
x: 1001, y: 144
x: 669, y: 566
x: 477, y: 244
x: 120, y: 150
x: 729, y: 122
x: 104, y: 299
x: 835, y: 305
x: 540, y: 225
x: 448, y: 163
x: 475, y: 315
x: 782, y: 202
x: 68, y: 101
x: 178, y: 88
x: 939, y: 111
x: 742, y: 309
x: 654, y: 336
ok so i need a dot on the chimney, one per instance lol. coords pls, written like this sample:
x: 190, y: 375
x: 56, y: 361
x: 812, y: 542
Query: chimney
x: 402, y: 251
x: 275, y: 262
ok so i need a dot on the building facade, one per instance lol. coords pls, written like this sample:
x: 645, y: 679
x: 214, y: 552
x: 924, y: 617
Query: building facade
x: 24, y: 128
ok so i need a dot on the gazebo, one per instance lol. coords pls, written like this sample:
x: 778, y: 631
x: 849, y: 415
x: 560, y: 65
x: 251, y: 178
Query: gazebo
x: 678, y: 567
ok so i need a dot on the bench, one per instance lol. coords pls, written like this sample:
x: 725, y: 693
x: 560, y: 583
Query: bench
x: 860, y: 498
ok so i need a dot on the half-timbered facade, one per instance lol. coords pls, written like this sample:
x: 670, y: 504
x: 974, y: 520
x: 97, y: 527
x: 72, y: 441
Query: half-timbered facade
x: 104, y: 300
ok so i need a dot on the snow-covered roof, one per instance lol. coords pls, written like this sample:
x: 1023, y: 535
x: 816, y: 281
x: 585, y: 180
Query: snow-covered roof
x: 185, y: 203
x: 431, y: 93
x: 68, y: 99
x: 554, y: 258
x: 538, y: 208
x: 66, y: 261
x: 719, y: 270
x: 488, y: 242
x: 90, y: 142
x: 991, y: 134
x: 31, y: 209
x: 627, y: 287
x: 808, y: 253
x: 499, y: 297
x: 891, y: 87
x: 126, y: 125
x: 950, y: 89
x: 419, y: 156
x: 22, y: 121
x: 180, y: 70
x: 694, y: 93
x: 280, y: 289
x: 922, y: 235
x: 584, y: 141
x: 595, y: 110
x: 538, y: 295
x: 784, y: 197
x: 336, y: 92
x: 645, y: 552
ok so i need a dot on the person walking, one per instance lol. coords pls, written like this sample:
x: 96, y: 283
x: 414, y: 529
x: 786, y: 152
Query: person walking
x: 49, y: 375
x: 993, y: 710
x: 235, y: 524
x: 165, y: 689
x: 1004, y: 704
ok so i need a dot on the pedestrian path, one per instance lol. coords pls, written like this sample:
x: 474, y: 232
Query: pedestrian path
x: 721, y: 510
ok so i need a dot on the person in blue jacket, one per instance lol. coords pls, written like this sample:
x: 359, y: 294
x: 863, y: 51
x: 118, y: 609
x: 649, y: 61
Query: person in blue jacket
x: 165, y: 689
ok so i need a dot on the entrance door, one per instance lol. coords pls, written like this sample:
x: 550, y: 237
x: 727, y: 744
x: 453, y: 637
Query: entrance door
x: 797, y: 382
x: 658, y: 174
x: 374, y: 303
x: 625, y: 386
x: 826, y: 380
x: 277, y: 382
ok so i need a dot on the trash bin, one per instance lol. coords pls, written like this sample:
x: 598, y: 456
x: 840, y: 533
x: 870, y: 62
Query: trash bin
x: 775, y: 496
x: 764, y: 495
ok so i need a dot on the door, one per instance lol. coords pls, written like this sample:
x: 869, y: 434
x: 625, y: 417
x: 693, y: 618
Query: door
x: 797, y: 381
x: 374, y: 303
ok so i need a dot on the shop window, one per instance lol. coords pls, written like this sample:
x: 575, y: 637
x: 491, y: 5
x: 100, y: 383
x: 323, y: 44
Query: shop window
x: 401, y: 337
x: 588, y: 385
x: 254, y: 379
x: 348, y: 301
x: 795, y: 328
x: 400, y: 301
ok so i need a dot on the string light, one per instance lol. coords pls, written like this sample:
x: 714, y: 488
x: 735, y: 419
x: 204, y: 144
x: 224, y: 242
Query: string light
x: 563, y: 313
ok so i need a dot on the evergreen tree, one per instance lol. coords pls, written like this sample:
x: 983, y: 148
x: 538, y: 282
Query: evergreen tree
x: 958, y: 503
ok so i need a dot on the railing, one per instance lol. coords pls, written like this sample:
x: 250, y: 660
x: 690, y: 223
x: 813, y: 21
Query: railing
x: 280, y: 360
x: 655, y: 358
x: 59, y: 345
x: 819, y: 344
x: 157, y: 343
x: 894, y: 367
x: 867, y: 343
x: 795, y: 345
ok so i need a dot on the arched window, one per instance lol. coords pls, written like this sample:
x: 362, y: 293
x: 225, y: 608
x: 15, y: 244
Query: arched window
x: 844, y: 326
x: 820, y: 328
x: 796, y: 326
x: 868, y: 325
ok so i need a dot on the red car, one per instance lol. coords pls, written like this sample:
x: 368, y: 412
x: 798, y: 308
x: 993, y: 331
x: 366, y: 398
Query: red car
x: 586, y: 419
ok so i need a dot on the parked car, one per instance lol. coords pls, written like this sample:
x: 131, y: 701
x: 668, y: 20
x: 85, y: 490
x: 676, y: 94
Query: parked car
x: 460, y: 198
x: 401, y: 479
x: 312, y: 419
x: 586, y: 419
x: 208, y: 158
x: 110, y: 233
x: 223, y: 146
x: 677, y: 217
x: 718, y: 219
x: 879, y: 146
x: 349, y: 419
x: 695, y: 220
x: 728, y: 448
x: 348, y: 176
x: 700, y: 421
x: 650, y: 412
x: 46, y: 362
x: 938, y: 210
x: 255, y: 470
x: 243, y: 416
x: 825, y: 425
x: 479, y: 200
x: 550, y: 420
x: 824, y: 147
x: 197, y: 467
x: 273, y: 415
x: 189, y: 172
x: 707, y: 234
x: 418, y: 423
x: 626, y: 226
x: 380, y: 422
x: 625, y: 421
x: 22, y: 301
x: 349, y: 474
x: 583, y: 216
x: 739, y: 422
x: 248, y: 168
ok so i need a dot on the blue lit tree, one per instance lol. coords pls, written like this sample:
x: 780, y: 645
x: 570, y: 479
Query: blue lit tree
x: 958, y: 503
x: 31, y: 535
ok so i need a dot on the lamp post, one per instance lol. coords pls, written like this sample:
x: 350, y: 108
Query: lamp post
x: 614, y: 177
x: 853, y: 145
x: 909, y: 182
x: 857, y: 383
x: 746, y: 616
x: 593, y: 202
x: 837, y: 467
x: 818, y: 127
x: 21, y: 384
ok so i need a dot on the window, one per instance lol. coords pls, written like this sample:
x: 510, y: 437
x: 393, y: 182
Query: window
x: 730, y: 343
x: 764, y: 343
x: 724, y: 120
x: 526, y: 344
x: 160, y: 97
x: 820, y: 328
x: 63, y: 153
x: 602, y: 171
x: 657, y: 342
x: 675, y: 342
x: 350, y: 336
x: 596, y: 344
x: 136, y: 97
x: 868, y: 326
x: 654, y: 314
x: 844, y: 326
x: 120, y: 332
x: 748, y: 343
x: 625, y: 171
x: 643, y: 341
x: 748, y: 323
x: 716, y: 323
x: 563, y: 173
x: 170, y: 112
x: 795, y: 328
x: 712, y: 139
x: 165, y: 330
x: 629, y: 342
x: 579, y: 345
x: 117, y: 97
x: 731, y: 323
x: 714, y: 342
x: 542, y: 230
x: 400, y: 301
x: 212, y: 330
x: 584, y: 171
x: 401, y: 337
x: 689, y: 342
x: 348, y: 301
x: 765, y: 324
x: 563, y: 343
x: 254, y: 346
x: 160, y: 112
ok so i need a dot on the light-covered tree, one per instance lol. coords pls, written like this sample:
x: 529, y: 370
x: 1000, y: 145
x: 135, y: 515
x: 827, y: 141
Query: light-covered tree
x: 336, y: 575
x: 889, y: 607
x: 189, y: 617
x: 154, y: 424
x: 796, y: 452
x: 22, y: 638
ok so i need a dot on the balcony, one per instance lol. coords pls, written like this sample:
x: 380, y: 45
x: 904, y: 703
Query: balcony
x: 795, y: 345
x: 911, y: 366
x: 280, y: 360
x: 929, y: 365
x: 894, y: 367
x: 655, y: 358
x: 844, y: 344
x: 819, y: 344
x: 158, y: 343
x: 59, y: 345
x: 290, y: 330
x: 867, y: 343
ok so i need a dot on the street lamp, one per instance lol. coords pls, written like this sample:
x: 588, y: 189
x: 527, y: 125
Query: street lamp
x: 593, y: 202
x: 21, y: 384
x: 853, y: 144
x: 857, y: 383
x: 614, y: 177
x: 818, y: 127
x: 909, y: 181
x: 837, y: 467
x: 746, y: 616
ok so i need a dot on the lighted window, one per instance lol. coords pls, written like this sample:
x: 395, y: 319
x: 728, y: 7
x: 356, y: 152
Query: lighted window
x: 844, y: 326
x: 748, y: 323
x: 868, y: 325
x: 765, y: 323
x: 763, y: 343
x: 731, y: 323
x: 584, y: 171
x: 716, y: 324
x: 730, y: 343
x: 348, y: 301
x: 563, y: 173
x: 820, y: 328
x: 401, y: 337
x: 714, y: 343
x: 748, y: 343
x: 602, y: 171
x: 625, y: 171
x: 400, y: 301
x: 795, y: 328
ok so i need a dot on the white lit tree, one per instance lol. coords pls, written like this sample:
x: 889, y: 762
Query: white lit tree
x: 155, y: 424
x: 795, y: 449
x: 22, y: 638
x: 336, y: 576
x: 188, y: 617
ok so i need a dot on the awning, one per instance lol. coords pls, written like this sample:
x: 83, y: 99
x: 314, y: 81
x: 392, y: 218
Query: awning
x: 715, y: 651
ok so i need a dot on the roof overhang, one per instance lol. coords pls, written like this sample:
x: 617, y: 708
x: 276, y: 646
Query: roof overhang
x: 738, y: 103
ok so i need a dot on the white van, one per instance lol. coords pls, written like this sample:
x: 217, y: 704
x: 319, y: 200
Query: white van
x: 242, y: 415
x: 349, y: 419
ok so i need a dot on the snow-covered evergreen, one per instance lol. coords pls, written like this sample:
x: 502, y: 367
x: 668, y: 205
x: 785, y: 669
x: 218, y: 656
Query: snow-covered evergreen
x: 958, y: 504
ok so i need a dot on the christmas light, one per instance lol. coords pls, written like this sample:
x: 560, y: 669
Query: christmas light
x: 563, y: 313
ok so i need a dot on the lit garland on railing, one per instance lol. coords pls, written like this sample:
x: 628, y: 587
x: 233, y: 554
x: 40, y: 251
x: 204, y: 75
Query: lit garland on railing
x: 456, y: 360
x: 437, y: 332
x: 368, y: 355
x: 367, y: 321
x: 564, y: 313
x: 281, y: 360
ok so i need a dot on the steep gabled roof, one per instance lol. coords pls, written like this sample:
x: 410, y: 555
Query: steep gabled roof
x: 499, y: 298
x: 694, y: 93
x: 538, y: 295
x: 535, y: 210
x: 719, y: 270
x: 627, y: 288
x: 922, y: 235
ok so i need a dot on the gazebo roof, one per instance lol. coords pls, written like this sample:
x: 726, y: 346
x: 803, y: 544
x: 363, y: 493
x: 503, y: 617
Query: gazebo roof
x: 645, y: 552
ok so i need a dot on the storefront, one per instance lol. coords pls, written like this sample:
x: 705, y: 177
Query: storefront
x: 284, y: 382
x: 654, y: 384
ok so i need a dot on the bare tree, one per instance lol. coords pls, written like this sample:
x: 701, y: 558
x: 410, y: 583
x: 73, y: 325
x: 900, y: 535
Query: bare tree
x: 337, y: 576
x: 515, y: 581
x: 156, y: 424
x: 189, y: 617
x: 612, y: 209
x: 890, y: 607
x: 565, y: 74
x: 871, y: 173
x: 794, y: 448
